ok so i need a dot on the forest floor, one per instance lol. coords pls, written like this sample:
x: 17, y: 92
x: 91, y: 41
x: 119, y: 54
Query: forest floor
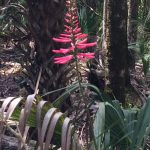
x: 10, y: 70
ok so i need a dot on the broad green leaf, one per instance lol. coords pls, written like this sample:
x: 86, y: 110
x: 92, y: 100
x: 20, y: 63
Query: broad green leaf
x: 99, y: 127
x: 142, y: 124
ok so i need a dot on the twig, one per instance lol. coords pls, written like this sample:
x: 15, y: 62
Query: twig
x: 90, y: 8
x: 38, y: 81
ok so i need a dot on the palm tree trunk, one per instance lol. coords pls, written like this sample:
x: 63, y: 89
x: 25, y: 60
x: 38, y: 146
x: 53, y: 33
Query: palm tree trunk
x: 116, y: 47
x: 46, y: 21
x: 45, y: 18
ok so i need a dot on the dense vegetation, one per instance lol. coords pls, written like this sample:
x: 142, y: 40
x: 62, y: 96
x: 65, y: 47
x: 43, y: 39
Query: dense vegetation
x: 86, y: 58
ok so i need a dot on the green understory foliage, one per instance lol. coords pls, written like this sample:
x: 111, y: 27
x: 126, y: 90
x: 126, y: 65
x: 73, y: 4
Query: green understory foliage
x: 142, y: 46
x: 116, y: 127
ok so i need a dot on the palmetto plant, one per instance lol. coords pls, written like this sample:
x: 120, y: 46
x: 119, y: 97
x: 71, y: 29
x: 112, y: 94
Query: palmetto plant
x: 49, y: 122
x: 33, y: 112
x: 116, y: 127
x: 13, y: 22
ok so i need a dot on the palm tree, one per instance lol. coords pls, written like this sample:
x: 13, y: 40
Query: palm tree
x: 46, y: 21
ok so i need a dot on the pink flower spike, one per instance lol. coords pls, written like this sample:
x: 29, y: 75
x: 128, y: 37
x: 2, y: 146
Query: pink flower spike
x: 77, y: 42
x: 81, y: 36
x: 63, y: 60
x: 65, y: 35
x: 63, y: 40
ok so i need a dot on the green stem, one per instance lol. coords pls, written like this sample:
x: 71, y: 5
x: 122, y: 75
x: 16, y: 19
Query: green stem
x: 82, y: 96
x: 88, y: 121
x: 79, y: 79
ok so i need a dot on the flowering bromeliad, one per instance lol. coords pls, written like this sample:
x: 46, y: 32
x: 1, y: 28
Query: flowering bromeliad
x: 72, y: 36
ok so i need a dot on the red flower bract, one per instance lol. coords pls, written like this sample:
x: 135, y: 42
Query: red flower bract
x: 73, y: 37
x: 62, y: 40
x: 81, y: 42
x: 81, y: 36
x: 86, y: 44
x: 63, y: 60
x: 65, y: 35
x: 62, y: 51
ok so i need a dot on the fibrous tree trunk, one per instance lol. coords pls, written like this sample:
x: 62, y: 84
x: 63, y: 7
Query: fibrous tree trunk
x: 46, y: 21
x: 116, y: 47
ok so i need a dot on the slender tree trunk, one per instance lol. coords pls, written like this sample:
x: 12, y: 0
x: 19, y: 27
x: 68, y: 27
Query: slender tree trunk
x: 132, y: 20
x: 104, y: 40
x: 132, y: 29
x: 116, y: 46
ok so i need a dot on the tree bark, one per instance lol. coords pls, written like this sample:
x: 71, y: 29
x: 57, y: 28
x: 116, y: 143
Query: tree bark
x: 45, y: 22
x: 46, y: 19
x: 116, y: 47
